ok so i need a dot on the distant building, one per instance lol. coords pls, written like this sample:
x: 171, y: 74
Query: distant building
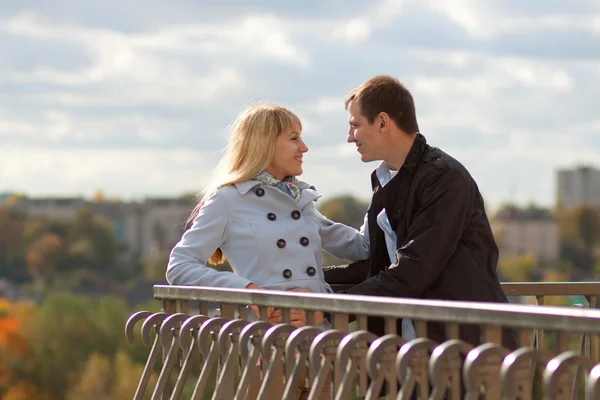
x: 143, y: 228
x: 163, y: 223
x: 532, y: 230
x: 578, y: 186
x: 58, y: 208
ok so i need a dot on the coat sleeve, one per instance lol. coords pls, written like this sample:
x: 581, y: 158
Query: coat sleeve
x: 350, y: 274
x: 342, y: 241
x: 187, y: 261
x: 432, y: 238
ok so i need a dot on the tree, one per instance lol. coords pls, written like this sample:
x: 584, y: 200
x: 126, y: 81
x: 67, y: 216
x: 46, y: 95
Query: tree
x: 579, y: 229
x: 517, y: 268
x: 12, y: 249
x: 15, y: 350
x: 92, y: 241
x: 345, y: 209
x: 588, y: 221
x: 126, y: 377
x: 43, y: 256
x: 155, y: 266
x: 66, y: 332
x: 95, y: 381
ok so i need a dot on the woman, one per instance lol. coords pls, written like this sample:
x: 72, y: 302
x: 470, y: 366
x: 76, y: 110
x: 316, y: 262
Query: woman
x: 258, y: 215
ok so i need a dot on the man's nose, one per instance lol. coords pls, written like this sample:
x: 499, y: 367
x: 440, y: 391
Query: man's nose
x: 351, y: 138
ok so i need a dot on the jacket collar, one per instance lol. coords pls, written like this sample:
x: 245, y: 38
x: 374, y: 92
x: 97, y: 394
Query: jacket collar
x: 381, y: 176
x: 414, y: 155
x: 308, y: 191
x: 244, y: 187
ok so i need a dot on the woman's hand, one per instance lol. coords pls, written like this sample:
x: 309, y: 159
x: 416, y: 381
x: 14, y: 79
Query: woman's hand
x: 298, y: 316
x: 255, y: 309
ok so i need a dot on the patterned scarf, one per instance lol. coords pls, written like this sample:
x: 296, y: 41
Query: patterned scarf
x: 289, y: 184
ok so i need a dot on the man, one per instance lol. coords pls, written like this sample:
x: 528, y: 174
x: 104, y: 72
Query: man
x: 429, y: 233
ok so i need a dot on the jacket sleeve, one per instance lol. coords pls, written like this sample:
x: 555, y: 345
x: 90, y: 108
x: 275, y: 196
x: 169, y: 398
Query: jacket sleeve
x: 187, y: 262
x: 342, y: 241
x: 432, y: 238
x: 348, y: 274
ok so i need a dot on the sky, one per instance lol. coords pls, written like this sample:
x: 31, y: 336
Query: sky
x: 134, y: 97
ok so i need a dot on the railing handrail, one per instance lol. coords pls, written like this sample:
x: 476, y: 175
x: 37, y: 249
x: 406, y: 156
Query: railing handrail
x: 535, y: 288
x: 554, y: 318
x: 551, y: 288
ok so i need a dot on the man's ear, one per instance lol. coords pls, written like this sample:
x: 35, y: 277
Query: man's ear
x: 383, y: 120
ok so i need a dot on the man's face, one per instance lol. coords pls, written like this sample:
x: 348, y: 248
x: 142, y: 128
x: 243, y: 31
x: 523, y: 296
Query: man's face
x: 367, y: 137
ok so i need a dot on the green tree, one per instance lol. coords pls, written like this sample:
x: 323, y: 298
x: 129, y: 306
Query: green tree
x: 92, y: 242
x: 345, y: 209
x: 126, y: 377
x: 12, y: 249
x: 517, y: 268
x: 43, y: 257
x: 155, y: 266
x: 65, y: 332
x: 95, y: 381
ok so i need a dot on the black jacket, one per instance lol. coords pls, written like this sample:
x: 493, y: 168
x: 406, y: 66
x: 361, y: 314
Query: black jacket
x: 445, y: 246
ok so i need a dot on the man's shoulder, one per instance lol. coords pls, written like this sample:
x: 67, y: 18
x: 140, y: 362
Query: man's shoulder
x: 436, y: 163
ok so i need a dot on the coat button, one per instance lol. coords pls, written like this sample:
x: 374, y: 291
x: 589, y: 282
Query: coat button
x: 311, y: 271
x: 281, y: 243
x: 296, y: 214
x: 260, y: 192
x: 304, y: 241
x: 287, y: 274
x: 271, y: 216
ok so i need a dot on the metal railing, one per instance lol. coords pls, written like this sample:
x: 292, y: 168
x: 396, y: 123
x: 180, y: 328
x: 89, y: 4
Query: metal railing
x: 260, y: 360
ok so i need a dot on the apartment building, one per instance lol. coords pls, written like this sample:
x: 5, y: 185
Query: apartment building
x: 144, y: 228
x: 530, y: 230
x: 578, y: 186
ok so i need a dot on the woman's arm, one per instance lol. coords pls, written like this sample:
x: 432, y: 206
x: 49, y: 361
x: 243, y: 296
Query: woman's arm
x: 187, y: 262
x: 343, y: 241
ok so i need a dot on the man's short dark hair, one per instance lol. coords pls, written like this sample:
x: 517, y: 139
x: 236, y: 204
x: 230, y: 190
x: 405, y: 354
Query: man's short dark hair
x: 384, y: 93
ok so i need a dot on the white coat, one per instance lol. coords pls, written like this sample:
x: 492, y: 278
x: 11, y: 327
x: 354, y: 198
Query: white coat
x: 268, y: 238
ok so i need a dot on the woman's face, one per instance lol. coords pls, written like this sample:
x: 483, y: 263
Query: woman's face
x: 289, y: 149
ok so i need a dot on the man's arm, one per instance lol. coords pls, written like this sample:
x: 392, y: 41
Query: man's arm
x: 349, y: 274
x: 445, y: 212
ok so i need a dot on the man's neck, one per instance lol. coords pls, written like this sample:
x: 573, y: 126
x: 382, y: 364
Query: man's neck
x: 399, y: 147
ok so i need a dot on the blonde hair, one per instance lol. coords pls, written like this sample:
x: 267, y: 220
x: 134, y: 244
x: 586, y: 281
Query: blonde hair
x: 249, y: 151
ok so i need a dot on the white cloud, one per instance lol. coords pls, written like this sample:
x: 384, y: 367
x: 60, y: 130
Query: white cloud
x: 485, y: 20
x: 131, y: 173
x: 130, y: 110
x: 358, y: 30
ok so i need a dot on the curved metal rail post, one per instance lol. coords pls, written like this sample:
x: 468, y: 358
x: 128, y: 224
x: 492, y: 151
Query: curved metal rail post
x: 188, y: 335
x: 296, y: 358
x: 153, y: 321
x: 517, y: 373
x: 482, y: 368
x: 251, y: 338
x: 325, y: 344
x: 228, y: 345
x: 381, y: 365
x: 276, y: 336
x: 445, y: 367
x: 210, y: 352
x: 558, y: 379
x: 352, y: 348
x: 412, y: 364
x: 169, y: 337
